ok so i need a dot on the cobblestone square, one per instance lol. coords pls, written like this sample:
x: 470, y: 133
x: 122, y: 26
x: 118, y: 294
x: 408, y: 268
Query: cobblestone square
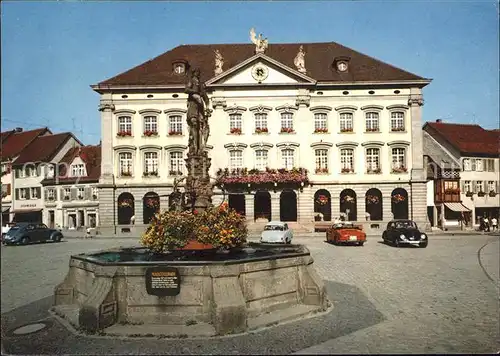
x: 442, y: 299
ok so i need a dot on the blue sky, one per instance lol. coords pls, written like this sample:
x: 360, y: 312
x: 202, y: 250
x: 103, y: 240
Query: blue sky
x: 53, y: 51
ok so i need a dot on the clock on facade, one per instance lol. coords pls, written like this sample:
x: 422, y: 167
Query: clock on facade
x: 260, y: 72
x: 342, y: 66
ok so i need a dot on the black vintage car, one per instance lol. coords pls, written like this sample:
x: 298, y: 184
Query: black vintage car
x: 25, y: 233
x: 404, y: 232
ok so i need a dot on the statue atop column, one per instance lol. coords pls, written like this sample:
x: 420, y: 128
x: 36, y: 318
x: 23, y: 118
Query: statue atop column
x: 198, y: 187
x: 198, y: 113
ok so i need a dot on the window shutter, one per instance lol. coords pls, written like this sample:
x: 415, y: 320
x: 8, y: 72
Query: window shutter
x: 16, y: 173
x: 474, y: 186
x: 73, y: 193
x: 462, y: 186
x: 39, y: 192
x: 17, y: 193
x: 87, y: 193
x: 496, y: 187
x: 45, y: 193
x: 9, y: 189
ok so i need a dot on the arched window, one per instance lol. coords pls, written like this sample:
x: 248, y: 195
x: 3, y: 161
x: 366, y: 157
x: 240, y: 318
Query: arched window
x: 126, y: 208
x: 150, y: 206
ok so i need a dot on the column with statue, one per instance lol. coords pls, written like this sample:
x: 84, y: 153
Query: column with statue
x: 199, y: 189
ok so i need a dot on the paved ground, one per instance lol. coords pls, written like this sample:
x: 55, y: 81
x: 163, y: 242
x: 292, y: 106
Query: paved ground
x: 442, y: 299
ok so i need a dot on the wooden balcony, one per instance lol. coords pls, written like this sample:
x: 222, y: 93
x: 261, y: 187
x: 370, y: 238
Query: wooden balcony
x: 447, y: 198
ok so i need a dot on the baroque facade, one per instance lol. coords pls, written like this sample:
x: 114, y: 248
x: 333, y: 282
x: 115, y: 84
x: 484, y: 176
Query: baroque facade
x: 353, y: 123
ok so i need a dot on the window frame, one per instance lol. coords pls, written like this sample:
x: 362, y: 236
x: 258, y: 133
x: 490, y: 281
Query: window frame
x: 373, y: 162
x: 285, y: 160
x: 347, y: 161
x: 321, y: 161
x: 151, y: 165
x: 371, y: 117
x: 256, y: 159
x: 122, y: 172
x: 397, y: 124
x: 150, y: 125
x: 125, y: 128
x: 176, y: 165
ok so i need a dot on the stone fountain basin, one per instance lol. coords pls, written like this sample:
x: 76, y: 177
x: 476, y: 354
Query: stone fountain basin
x: 220, y: 293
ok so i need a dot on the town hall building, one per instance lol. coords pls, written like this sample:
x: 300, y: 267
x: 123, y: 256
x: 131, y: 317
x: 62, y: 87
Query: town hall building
x: 299, y: 132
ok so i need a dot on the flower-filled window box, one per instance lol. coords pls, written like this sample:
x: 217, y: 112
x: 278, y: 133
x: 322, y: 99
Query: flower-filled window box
x: 398, y: 198
x: 235, y: 131
x: 321, y: 170
x: 80, y: 197
x: 66, y: 197
x: 150, y: 174
x: 398, y: 129
x: 372, y: 199
x: 492, y: 193
x: 149, y: 133
x: 374, y: 171
x: 469, y: 194
x: 174, y: 133
x: 481, y: 194
x: 175, y: 173
x: 94, y: 196
x: 452, y: 191
x: 321, y: 130
x: 347, y: 170
x: 260, y: 130
x: 287, y: 130
x: 346, y: 129
x: 126, y: 174
x: 124, y: 133
x: 125, y: 203
x: 254, y: 176
x: 372, y: 129
x: 322, y: 199
x: 401, y: 169
x: 50, y: 198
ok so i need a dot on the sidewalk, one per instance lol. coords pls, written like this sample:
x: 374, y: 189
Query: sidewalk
x: 71, y: 234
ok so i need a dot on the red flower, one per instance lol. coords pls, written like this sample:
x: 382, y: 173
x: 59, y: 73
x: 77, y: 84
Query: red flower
x: 195, y: 212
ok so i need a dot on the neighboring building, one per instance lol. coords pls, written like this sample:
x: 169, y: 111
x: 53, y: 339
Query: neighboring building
x: 36, y: 162
x: 354, y: 122
x: 12, y: 144
x: 71, y: 198
x: 464, y: 171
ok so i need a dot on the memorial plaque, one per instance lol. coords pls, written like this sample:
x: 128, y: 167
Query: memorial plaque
x: 163, y: 281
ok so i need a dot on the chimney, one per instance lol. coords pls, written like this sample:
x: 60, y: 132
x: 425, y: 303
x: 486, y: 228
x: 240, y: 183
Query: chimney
x: 18, y: 129
x: 439, y: 120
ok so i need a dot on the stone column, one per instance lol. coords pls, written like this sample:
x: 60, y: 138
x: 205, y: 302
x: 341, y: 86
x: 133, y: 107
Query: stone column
x: 249, y: 207
x: 306, y: 206
x: 435, y: 215
x: 275, y: 205
x: 106, y: 107
x: 415, y: 102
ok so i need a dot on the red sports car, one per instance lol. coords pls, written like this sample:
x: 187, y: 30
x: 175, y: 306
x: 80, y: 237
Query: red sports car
x: 345, y: 233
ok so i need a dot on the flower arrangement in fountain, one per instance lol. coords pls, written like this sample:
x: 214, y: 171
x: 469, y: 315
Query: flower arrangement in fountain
x: 372, y: 199
x: 322, y: 199
x: 398, y: 198
x: 254, y: 176
x: 219, y: 226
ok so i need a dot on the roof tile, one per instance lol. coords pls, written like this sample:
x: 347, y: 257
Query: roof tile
x: 43, y: 148
x: 13, y: 143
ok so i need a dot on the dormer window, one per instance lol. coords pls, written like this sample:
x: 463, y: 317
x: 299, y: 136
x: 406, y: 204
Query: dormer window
x: 179, y: 67
x: 78, y: 170
x: 341, y: 64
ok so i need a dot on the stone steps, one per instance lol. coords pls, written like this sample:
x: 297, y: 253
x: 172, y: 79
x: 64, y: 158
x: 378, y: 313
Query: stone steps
x: 280, y: 316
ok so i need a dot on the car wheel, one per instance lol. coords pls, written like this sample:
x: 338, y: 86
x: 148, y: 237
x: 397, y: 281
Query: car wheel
x: 25, y: 240
x: 423, y: 245
x: 396, y: 242
x: 361, y: 243
x: 384, y: 237
x: 58, y: 238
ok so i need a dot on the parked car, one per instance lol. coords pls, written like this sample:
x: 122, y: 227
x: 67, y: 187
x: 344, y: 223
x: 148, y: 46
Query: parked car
x: 6, y: 228
x: 345, y: 233
x: 404, y: 232
x: 26, y: 233
x: 276, y: 232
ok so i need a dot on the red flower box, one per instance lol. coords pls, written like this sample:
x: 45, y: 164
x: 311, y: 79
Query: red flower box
x: 321, y: 170
x: 398, y: 129
x: 175, y: 133
x: 347, y: 129
x: 235, y: 131
x: 347, y: 170
x: 287, y: 130
x: 124, y: 133
x: 401, y: 169
x: 261, y: 130
x: 253, y: 176
x: 150, y: 133
x: 321, y: 130
x: 372, y: 129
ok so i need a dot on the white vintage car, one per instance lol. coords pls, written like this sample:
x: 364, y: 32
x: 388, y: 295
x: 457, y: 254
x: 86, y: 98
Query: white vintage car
x: 276, y: 232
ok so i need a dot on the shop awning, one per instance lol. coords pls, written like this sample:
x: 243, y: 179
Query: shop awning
x: 4, y: 210
x: 456, y: 207
x: 26, y: 211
